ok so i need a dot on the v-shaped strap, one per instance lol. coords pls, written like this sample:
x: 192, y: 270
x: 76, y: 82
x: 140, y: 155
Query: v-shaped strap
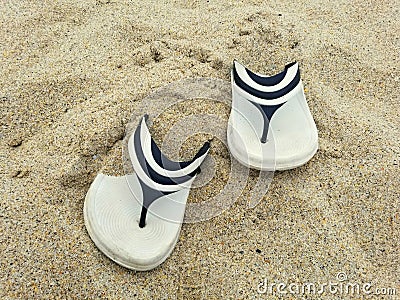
x: 266, y: 93
x: 158, y: 175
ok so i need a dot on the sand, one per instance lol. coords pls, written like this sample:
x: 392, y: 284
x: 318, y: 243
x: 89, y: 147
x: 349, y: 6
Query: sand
x: 72, y: 74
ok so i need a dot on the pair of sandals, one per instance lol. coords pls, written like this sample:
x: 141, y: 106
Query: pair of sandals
x: 136, y: 219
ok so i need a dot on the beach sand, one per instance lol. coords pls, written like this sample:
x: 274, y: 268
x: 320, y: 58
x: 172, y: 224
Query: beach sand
x: 72, y: 74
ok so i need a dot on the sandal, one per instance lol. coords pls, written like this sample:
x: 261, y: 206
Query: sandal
x: 270, y: 126
x: 136, y: 219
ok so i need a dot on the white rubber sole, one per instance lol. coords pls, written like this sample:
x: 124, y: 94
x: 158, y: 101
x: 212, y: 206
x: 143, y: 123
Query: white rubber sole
x: 292, y: 135
x: 271, y: 165
x: 111, y: 211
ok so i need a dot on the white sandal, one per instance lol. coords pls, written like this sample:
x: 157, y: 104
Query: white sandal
x: 270, y: 126
x: 136, y: 219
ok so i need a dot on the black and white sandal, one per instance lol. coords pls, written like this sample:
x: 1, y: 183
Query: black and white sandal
x: 270, y: 126
x: 136, y: 219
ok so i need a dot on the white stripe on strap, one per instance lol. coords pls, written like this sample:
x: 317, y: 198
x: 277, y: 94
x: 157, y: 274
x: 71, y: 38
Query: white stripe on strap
x: 269, y: 102
x: 289, y: 76
x: 146, y: 179
x: 145, y: 138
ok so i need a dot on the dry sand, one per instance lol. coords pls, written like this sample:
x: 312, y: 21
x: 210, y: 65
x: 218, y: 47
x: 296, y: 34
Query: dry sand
x: 72, y: 73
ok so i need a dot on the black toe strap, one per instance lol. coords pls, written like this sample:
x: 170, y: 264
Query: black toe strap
x: 155, y: 185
